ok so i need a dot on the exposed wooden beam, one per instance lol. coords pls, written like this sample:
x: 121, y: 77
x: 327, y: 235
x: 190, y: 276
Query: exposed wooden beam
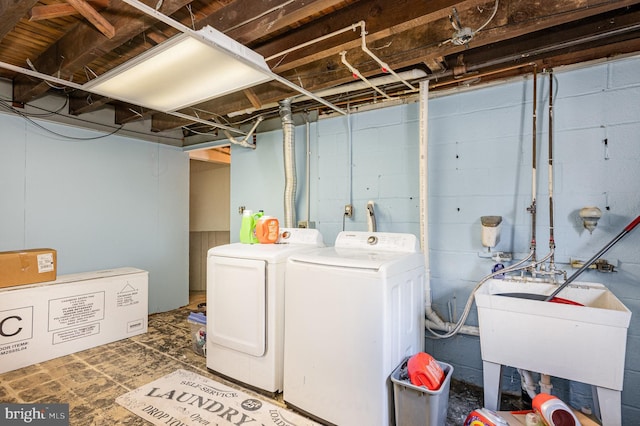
x: 253, y: 98
x: 12, y: 11
x: 127, y: 113
x: 401, y: 49
x: 91, y: 15
x: 382, y: 19
x: 57, y: 10
x: 88, y: 102
x: 248, y: 20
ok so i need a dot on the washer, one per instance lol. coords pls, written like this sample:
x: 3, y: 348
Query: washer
x: 245, y: 297
x: 354, y: 312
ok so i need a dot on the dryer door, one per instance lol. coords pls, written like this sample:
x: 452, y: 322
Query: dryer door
x: 236, y: 300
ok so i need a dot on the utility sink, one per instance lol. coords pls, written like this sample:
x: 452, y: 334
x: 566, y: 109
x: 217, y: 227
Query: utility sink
x: 581, y: 343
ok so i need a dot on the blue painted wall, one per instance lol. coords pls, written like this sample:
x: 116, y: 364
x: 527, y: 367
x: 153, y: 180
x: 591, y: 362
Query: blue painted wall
x: 102, y: 203
x: 480, y: 157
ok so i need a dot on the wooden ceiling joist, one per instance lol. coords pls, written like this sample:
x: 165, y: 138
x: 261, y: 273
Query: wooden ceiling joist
x: 94, y: 17
x: 405, y: 34
x: 56, y: 10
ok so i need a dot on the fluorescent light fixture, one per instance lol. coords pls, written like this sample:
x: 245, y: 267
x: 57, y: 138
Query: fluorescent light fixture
x: 183, y: 71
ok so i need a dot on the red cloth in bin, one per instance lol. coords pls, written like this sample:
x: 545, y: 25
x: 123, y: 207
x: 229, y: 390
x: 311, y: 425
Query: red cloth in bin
x: 423, y: 370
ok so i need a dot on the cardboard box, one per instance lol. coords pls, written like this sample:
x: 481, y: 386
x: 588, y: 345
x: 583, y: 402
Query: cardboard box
x: 27, y: 266
x: 40, y: 322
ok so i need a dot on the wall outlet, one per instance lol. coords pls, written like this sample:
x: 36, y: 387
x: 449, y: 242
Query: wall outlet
x: 305, y: 224
x: 348, y: 210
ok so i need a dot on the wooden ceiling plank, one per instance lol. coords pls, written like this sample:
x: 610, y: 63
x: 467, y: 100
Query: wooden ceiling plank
x: 94, y: 17
x: 12, y: 11
x: 57, y: 10
x: 247, y: 20
x: 211, y: 156
x: 565, y: 39
x: 538, y: 16
x: 423, y: 42
x: 382, y: 19
x: 409, y: 44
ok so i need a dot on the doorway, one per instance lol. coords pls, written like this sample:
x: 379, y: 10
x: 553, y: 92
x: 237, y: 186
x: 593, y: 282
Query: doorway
x: 209, y: 209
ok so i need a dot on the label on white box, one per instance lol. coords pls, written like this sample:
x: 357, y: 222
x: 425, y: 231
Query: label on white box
x: 75, y: 333
x: 74, y: 310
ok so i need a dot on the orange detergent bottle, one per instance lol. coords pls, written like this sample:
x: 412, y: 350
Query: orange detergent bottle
x: 267, y: 230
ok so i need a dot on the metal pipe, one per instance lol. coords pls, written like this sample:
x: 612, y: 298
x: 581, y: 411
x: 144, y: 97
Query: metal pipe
x: 289, y: 154
x: 474, y: 76
x: 244, y: 142
x: 351, y: 27
x: 552, y: 243
x: 534, y: 177
x: 371, y: 218
x: 357, y: 74
x: 308, y: 167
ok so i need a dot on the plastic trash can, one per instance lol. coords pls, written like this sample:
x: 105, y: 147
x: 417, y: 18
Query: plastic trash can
x: 417, y: 405
x: 198, y: 323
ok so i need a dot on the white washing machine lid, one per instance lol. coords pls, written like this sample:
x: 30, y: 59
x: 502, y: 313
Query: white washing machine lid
x: 371, y: 260
x: 291, y: 240
x: 366, y: 250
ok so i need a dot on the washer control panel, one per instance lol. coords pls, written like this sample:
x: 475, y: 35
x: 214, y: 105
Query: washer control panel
x: 388, y: 241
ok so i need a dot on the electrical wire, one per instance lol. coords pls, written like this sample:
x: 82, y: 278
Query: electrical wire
x: 456, y: 39
x: 27, y: 116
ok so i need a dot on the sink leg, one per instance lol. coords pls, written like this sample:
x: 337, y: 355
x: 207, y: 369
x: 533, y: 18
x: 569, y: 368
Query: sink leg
x: 608, y: 402
x: 492, y: 377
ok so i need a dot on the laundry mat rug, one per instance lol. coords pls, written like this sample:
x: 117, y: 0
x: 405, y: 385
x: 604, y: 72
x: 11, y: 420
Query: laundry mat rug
x: 186, y: 398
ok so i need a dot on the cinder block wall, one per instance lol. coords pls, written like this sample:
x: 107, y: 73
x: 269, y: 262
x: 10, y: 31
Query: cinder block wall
x: 480, y: 158
x: 480, y: 163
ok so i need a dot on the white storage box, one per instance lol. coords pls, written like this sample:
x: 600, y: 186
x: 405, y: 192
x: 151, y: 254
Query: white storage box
x: 417, y: 405
x: 75, y: 312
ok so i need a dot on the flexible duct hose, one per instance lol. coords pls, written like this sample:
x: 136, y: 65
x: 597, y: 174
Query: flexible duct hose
x: 288, y: 146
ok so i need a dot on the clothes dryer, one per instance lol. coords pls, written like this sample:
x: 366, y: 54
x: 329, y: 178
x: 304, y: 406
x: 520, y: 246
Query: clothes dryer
x: 353, y: 313
x: 245, y: 308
